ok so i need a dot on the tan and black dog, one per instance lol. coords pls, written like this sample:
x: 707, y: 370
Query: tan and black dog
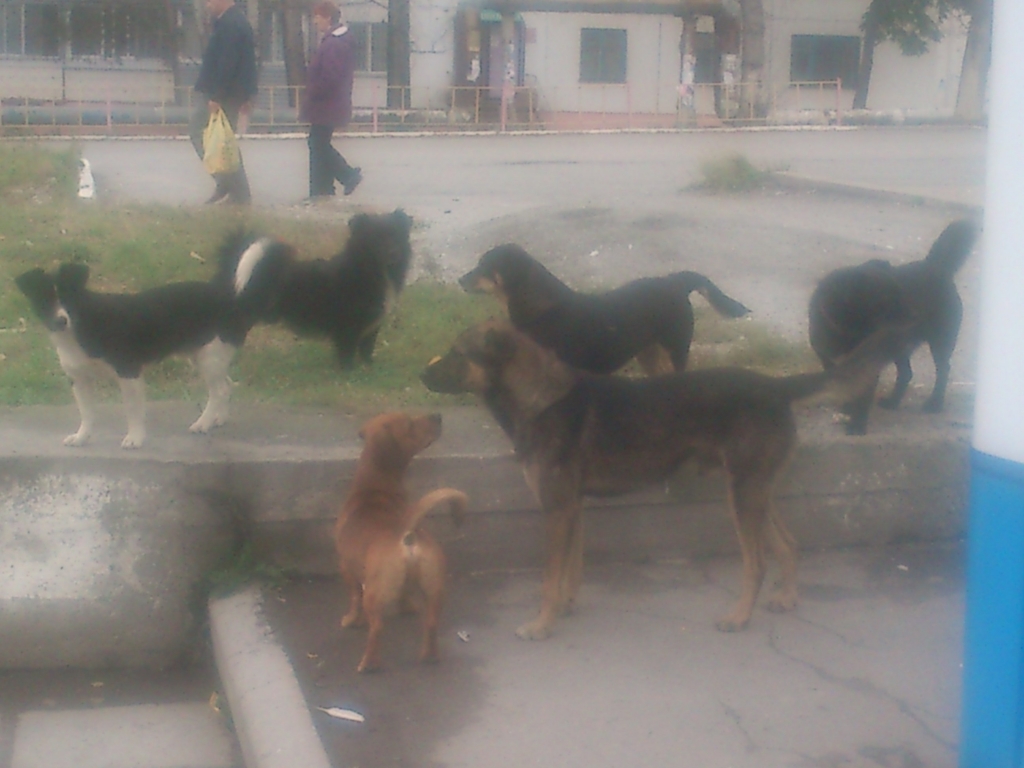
x: 582, y: 435
x: 850, y: 304
x: 648, y: 319
x: 383, y: 552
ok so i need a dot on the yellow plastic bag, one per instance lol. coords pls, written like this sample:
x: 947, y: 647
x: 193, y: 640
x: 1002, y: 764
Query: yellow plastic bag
x: 220, y: 148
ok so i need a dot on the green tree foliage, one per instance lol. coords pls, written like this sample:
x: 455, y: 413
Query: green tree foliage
x: 913, y: 25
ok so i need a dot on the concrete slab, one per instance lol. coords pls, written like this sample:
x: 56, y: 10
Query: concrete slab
x: 187, y: 735
x: 865, y: 673
x: 273, y: 724
x: 101, y: 549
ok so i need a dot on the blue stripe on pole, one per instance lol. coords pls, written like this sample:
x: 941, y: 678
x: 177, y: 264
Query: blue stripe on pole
x: 992, y: 733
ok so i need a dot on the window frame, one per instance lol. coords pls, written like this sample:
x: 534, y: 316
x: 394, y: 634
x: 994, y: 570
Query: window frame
x: 604, y: 56
x: 824, y: 58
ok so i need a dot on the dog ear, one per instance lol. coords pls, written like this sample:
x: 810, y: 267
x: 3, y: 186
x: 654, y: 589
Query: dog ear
x: 72, y: 277
x: 36, y: 285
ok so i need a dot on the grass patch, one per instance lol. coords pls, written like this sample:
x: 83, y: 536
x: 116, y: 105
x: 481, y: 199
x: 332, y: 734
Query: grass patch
x: 42, y: 223
x: 743, y: 343
x: 732, y: 173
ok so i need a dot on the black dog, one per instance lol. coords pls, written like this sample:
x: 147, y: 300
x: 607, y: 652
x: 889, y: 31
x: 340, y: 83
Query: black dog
x: 117, y: 334
x: 850, y: 304
x: 598, y: 332
x: 344, y: 298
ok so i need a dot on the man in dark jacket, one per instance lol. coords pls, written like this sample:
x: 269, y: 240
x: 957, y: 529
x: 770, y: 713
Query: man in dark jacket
x: 227, y: 80
x: 328, y: 103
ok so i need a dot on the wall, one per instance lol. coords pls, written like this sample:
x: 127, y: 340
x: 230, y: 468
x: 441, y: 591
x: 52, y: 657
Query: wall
x: 922, y: 85
x: 652, y: 67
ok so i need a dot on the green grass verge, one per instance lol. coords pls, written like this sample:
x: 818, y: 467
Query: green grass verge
x: 130, y: 248
x: 731, y: 173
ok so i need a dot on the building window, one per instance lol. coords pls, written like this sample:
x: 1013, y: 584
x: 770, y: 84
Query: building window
x: 370, y: 43
x: 602, y: 55
x: 814, y: 58
x: 42, y: 30
x: 102, y: 29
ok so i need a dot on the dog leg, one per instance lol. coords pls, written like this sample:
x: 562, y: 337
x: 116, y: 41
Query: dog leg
x: 82, y: 389
x: 133, y: 393
x: 367, y: 344
x: 375, y: 619
x: 784, y: 547
x: 940, y: 355
x: 431, y: 578
x: 345, y: 344
x: 904, y: 373
x: 573, y: 576
x: 354, y: 617
x: 858, y: 411
x: 748, y: 501
x: 214, y: 360
x: 559, y: 525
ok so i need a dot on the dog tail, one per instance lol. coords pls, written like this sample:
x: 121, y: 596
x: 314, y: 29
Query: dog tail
x: 724, y: 305
x: 251, y: 269
x: 853, y: 374
x: 953, y: 246
x: 458, y: 500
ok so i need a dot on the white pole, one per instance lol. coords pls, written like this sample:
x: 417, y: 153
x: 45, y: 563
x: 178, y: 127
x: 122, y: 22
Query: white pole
x: 992, y: 732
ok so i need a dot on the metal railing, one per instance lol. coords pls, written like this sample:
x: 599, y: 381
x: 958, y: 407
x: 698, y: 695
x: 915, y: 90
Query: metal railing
x: 461, y: 108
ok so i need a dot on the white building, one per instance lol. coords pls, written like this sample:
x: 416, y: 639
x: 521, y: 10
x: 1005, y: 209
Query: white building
x: 613, y: 62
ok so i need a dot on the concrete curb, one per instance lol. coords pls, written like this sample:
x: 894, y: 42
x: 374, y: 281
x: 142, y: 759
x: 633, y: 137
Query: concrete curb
x: 272, y: 721
x: 798, y: 182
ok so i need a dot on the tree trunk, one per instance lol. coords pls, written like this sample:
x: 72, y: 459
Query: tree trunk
x: 752, y: 60
x: 970, y: 98
x: 867, y: 56
x: 399, y: 74
x: 294, y: 47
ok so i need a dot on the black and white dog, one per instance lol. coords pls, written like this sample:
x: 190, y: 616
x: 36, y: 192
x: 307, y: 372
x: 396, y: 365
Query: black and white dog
x: 98, y: 334
x: 344, y: 298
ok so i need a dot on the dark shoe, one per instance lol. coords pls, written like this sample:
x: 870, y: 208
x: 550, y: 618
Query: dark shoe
x: 220, y: 195
x: 314, y: 199
x: 352, y: 180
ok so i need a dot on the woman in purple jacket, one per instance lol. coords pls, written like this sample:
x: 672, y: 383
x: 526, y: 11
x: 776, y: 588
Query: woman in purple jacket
x: 328, y: 103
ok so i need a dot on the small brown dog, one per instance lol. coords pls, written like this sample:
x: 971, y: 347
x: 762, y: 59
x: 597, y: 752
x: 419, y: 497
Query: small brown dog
x: 383, y: 553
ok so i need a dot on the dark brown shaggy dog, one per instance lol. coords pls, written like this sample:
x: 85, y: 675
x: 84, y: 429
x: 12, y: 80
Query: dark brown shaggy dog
x: 583, y: 435
x: 852, y: 303
x: 383, y: 553
x: 599, y: 333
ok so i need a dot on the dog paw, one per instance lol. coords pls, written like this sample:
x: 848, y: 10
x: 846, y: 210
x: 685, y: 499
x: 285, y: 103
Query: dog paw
x: 368, y: 666
x: 133, y: 441
x: 348, y: 621
x: 76, y: 439
x: 534, y: 630
x: 731, y: 624
x: 781, y: 603
x: 202, y: 425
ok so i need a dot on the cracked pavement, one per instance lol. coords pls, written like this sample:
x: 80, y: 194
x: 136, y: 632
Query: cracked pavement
x: 865, y: 674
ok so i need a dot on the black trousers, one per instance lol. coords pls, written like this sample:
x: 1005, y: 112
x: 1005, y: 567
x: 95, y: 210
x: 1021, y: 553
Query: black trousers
x: 326, y: 165
x: 237, y: 183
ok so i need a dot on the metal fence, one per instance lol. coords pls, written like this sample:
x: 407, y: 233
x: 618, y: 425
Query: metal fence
x: 464, y: 108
